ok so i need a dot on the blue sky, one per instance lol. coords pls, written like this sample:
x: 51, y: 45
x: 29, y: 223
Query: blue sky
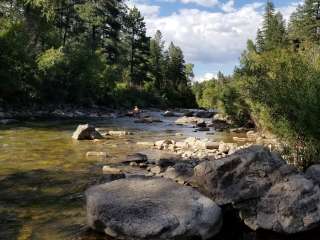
x: 212, y: 33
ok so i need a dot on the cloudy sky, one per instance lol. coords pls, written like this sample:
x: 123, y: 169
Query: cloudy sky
x: 212, y: 33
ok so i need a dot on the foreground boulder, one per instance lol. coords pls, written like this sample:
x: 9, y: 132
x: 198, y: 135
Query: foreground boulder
x: 247, y: 174
x: 268, y: 193
x: 151, y: 208
x: 313, y: 173
x: 86, y: 132
x: 291, y: 206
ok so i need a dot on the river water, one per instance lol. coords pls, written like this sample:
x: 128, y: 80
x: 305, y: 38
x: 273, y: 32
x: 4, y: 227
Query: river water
x: 44, y: 172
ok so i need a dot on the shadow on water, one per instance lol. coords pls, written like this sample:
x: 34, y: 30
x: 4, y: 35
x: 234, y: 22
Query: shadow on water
x: 49, y: 205
x: 42, y: 204
x: 234, y: 229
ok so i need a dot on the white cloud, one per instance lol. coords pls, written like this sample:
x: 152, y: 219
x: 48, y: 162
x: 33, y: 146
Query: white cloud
x: 228, y: 6
x: 148, y: 11
x: 205, y: 3
x: 213, y: 38
x: 205, y: 77
x: 208, y: 36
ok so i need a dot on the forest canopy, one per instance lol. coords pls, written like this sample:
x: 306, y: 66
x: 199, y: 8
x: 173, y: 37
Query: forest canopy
x: 87, y: 52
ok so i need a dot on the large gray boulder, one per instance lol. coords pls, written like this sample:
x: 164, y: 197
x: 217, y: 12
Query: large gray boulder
x: 291, y: 206
x: 86, y: 132
x: 267, y: 192
x: 313, y: 173
x: 248, y: 174
x: 180, y: 172
x: 151, y: 208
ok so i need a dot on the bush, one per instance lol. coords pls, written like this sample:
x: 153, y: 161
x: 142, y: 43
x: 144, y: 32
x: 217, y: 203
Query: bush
x: 282, y: 89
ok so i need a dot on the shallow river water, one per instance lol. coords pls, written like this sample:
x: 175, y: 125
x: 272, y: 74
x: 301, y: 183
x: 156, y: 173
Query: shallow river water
x: 43, y: 174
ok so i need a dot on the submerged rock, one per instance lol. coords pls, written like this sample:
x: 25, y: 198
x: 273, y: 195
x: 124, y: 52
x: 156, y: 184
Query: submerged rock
x: 119, y: 133
x: 169, y: 114
x: 136, y: 157
x: 188, y: 114
x: 96, y: 154
x: 147, y: 120
x: 204, y: 114
x: 86, y: 132
x: 201, y: 125
x: 203, y: 129
x: 151, y: 208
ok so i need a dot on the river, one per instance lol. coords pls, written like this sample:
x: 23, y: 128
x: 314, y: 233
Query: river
x: 44, y: 172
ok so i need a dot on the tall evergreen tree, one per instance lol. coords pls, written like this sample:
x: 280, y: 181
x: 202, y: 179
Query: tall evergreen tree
x: 138, y: 45
x: 156, y: 59
x: 260, y: 41
x: 273, y: 33
x: 273, y: 29
x: 305, y: 22
x: 175, y: 74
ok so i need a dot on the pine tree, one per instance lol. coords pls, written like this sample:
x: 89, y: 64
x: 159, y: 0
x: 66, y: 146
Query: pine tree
x: 139, y: 47
x: 260, y: 41
x: 189, y: 72
x: 175, y: 74
x: 305, y: 22
x: 156, y: 59
x: 273, y: 33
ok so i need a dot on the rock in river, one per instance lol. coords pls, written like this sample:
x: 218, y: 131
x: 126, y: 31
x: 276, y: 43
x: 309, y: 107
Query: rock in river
x: 267, y: 192
x: 188, y: 120
x: 291, y: 206
x: 86, y: 132
x: 169, y: 114
x: 204, y: 114
x: 151, y: 208
x: 136, y: 157
x: 313, y: 173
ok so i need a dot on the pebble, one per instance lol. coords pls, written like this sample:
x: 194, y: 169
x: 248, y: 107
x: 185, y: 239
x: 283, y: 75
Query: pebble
x: 133, y: 164
x: 113, y: 170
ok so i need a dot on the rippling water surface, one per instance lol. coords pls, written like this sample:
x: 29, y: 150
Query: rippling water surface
x: 43, y: 174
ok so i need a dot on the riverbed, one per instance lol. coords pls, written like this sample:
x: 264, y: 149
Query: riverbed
x: 44, y: 172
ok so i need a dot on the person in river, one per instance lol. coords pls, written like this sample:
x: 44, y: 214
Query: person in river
x: 136, y: 111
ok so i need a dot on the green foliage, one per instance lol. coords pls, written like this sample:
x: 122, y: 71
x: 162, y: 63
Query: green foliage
x: 273, y: 33
x: 276, y: 85
x: 304, y: 23
x: 138, y: 45
x: 223, y: 93
x: 280, y: 87
x: 80, y: 52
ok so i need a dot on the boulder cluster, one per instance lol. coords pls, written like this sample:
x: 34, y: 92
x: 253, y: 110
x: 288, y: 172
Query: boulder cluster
x: 183, y: 188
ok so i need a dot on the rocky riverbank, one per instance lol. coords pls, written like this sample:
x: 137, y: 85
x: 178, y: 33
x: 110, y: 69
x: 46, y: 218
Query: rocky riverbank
x: 258, y: 184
